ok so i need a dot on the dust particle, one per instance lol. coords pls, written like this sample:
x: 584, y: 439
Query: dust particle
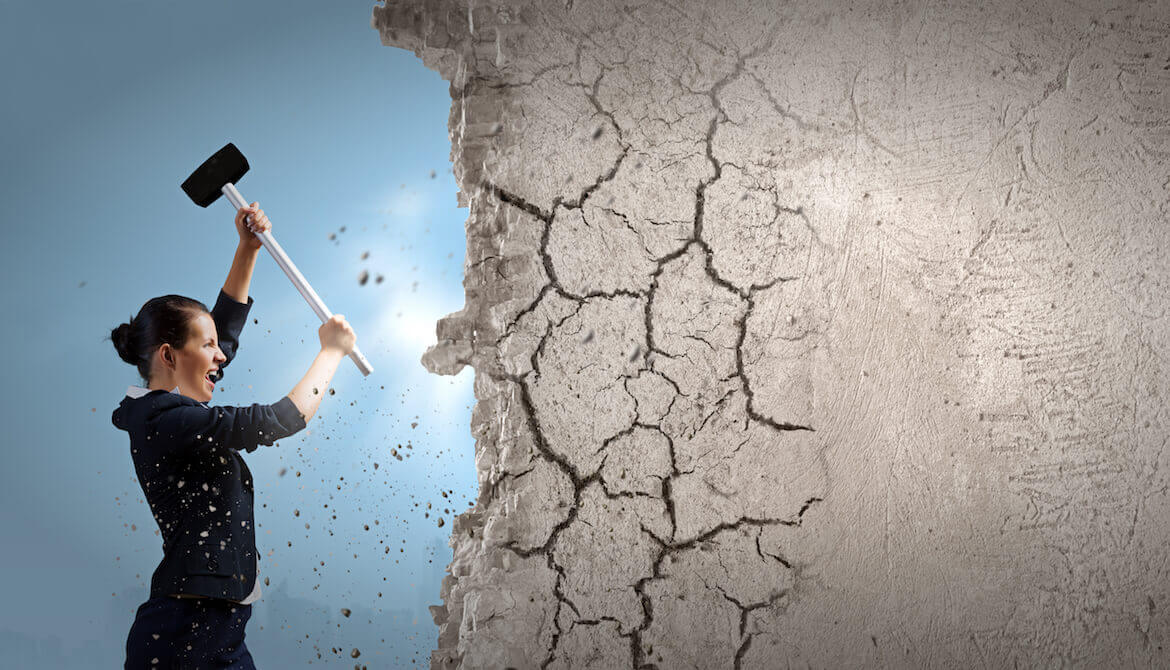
x: 432, y: 174
x: 365, y: 255
x: 378, y: 280
x: 364, y: 277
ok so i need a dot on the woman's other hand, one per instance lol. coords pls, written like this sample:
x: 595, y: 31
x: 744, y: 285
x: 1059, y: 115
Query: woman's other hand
x: 336, y: 334
x: 260, y: 223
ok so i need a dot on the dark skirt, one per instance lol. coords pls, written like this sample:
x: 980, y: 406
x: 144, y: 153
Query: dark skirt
x: 189, y: 633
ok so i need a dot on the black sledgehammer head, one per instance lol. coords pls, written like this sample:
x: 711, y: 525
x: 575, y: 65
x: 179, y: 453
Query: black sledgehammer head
x: 205, y: 184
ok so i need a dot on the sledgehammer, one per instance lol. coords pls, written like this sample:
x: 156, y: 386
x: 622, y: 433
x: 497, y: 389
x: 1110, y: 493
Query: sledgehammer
x: 218, y: 175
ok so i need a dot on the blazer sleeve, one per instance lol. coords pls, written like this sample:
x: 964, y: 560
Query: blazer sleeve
x: 229, y: 317
x: 239, y: 428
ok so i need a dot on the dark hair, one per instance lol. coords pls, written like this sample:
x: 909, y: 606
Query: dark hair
x: 162, y: 320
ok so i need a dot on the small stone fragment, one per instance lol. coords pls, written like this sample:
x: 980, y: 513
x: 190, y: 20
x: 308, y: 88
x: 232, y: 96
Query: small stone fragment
x: 364, y: 277
x: 345, y: 611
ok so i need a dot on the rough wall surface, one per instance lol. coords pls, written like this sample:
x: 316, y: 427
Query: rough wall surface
x: 808, y: 334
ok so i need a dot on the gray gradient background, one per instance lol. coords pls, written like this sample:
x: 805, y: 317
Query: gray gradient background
x: 106, y: 109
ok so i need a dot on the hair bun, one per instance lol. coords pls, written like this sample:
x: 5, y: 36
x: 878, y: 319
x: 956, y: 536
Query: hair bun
x: 121, y: 337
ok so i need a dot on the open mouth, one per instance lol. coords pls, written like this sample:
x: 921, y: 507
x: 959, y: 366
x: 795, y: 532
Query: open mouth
x: 207, y: 378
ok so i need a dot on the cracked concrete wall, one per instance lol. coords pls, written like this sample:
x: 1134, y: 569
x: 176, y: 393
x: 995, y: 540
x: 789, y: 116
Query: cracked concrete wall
x: 808, y: 334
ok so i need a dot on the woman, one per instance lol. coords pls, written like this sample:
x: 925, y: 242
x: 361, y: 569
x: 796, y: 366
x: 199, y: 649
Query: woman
x: 187, y: 457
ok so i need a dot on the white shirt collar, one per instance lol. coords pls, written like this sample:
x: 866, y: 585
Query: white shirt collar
x: 138, y: 391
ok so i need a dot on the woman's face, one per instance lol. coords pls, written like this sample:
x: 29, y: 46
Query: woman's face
x: 198, y: 358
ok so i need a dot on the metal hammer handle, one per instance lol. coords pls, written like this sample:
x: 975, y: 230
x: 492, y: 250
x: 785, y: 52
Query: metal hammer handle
x: 298, y: 280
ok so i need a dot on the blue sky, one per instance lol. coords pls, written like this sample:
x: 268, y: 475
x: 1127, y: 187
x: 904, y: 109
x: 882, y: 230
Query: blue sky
x: 107, y: 108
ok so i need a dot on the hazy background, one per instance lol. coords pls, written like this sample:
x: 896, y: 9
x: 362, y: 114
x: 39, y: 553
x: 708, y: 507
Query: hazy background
x: 107, y: 107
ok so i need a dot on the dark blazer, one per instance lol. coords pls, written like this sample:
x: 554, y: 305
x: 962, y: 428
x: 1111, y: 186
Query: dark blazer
x: 187, y: 456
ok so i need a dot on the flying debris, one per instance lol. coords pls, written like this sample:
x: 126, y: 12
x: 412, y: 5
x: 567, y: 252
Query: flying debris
x: 364, y: 277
